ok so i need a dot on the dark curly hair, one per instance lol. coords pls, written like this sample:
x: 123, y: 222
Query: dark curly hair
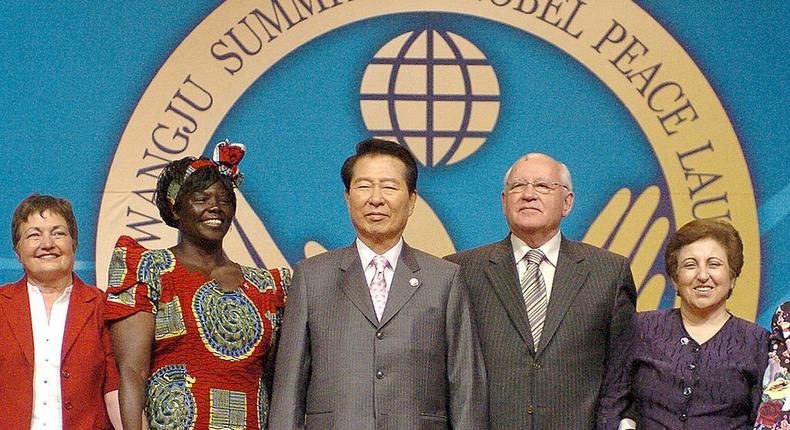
x: 198, y: 181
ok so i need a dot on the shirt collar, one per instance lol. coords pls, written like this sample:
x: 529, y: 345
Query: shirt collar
x: 366, y: 254
x: 65, y: 295
x: 550, y: 249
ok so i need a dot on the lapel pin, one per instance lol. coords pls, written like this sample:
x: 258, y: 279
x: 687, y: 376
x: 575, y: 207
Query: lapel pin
x: 414, y: 282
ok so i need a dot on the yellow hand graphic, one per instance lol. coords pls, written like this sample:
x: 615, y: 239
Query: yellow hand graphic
x: 312, y: 248
x: 631, y: 229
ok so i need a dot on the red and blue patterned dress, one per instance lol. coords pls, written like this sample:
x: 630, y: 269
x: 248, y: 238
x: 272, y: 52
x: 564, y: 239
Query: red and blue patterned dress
x: 209, y: 345
x: 774, y: 412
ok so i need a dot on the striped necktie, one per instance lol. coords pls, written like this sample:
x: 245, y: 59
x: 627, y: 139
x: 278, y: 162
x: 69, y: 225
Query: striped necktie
x: 533, y: 288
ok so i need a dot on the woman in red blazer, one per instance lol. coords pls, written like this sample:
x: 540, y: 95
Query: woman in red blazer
x: 52, y: 330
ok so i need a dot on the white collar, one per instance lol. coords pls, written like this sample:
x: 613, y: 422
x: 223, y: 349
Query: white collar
x: 551, y: 249
x: 34, y: 289
x: 366, y: 254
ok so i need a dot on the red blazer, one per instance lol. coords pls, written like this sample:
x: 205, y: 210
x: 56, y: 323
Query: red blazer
x: 87, y: 367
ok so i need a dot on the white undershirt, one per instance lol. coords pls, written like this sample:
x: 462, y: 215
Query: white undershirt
x: 47, y: 343
x: 548, y: 266
x: 366, y: 256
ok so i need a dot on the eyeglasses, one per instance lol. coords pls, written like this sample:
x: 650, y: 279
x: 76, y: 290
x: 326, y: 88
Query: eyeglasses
x: 541, y: 187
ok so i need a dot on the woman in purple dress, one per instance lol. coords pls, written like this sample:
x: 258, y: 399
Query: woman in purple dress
x: 774, y: 412
x: 697, y: 366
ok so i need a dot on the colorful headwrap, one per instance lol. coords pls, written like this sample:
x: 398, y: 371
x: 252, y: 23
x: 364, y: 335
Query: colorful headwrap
x: 226, y: 159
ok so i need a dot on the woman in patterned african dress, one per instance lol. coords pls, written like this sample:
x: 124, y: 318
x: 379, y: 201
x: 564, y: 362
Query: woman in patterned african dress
x: 193, y: 331
x: 774, y: 412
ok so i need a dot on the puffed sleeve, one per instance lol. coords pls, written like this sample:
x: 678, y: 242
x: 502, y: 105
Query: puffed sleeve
x: 282, y: 280
x: 134, y: 278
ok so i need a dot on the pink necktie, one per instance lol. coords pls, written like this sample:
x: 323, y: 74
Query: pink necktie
x: 378, y: 285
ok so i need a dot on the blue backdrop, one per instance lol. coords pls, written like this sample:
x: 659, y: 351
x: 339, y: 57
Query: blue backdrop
x: 73, y: 73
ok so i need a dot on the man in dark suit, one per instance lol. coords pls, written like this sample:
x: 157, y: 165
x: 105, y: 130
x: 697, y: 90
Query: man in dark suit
x: 547, y: 309
x: 378, y: 335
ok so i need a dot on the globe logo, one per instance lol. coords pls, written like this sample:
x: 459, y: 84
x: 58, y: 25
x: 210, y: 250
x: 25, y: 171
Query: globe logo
x: 433, y: 92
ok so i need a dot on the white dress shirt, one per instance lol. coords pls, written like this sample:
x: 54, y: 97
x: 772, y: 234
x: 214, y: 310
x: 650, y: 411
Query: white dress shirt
x: 366, y: 256
x: 47, y: 343
x: 548, y: 266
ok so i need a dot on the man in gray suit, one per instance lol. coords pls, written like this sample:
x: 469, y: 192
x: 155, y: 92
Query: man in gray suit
x: 378, y: 335
x: 547, y: 309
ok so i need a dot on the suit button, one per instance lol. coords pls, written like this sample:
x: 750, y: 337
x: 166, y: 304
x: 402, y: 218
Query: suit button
x: 683, y: 417
x: 65, y: 373
x: 530, y: 409
x: 67, y: 404
x: 379, y: 375
x: 379, y: 335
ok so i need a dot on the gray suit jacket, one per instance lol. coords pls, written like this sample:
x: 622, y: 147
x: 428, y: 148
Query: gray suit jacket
x: 339, y: 367
x: 554, y: 385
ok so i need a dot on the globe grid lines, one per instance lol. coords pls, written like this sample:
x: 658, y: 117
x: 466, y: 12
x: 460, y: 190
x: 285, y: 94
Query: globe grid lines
x: 429, y: 97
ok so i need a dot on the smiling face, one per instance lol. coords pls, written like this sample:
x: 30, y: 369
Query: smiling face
x: 703, y: 279
x: 204, y: 217
x: 532, y: 216
x: 379, y: 201
x: 46, y: 249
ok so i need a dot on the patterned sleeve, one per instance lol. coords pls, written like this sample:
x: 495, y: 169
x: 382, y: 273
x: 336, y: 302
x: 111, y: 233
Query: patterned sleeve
x: 134, y: 278
x: 282, y: 279
x: 774, y: 411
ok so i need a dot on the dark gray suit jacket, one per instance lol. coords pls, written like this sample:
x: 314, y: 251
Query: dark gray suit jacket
x: 556, y: 385
x: 339, y: 367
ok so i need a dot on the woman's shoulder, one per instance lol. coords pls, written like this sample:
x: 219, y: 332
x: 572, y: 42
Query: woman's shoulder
x: 276, y: 278
x: 748, y: 328
x: 88, y: 289
x: 129, y: 257
x: 128, y: 242
x: 127, y: 248
x: 658, y: 316
x: 21, y: 283
x: 656, y: 322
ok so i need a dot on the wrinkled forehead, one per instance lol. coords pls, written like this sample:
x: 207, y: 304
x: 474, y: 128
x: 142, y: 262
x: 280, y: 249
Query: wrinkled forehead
x: 535, y: 167
x: 43, y: 217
